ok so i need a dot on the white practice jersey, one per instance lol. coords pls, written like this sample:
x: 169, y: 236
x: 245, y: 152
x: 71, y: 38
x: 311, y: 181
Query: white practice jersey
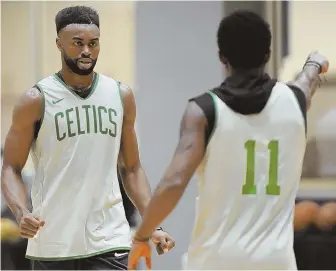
x: 247, y: 189
x: 76, y: 190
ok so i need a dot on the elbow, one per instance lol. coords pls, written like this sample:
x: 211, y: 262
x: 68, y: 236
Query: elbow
x: 4, y: 171
x: 7, y: 173
x: 132, y: 169
x: 176, y: 182
x: 129, y: 174
x: 4, y: 181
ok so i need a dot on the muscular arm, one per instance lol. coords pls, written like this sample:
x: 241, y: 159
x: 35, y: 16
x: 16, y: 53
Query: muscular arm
x: 188, y: 155
x: 308, y: 80
x: 16, y: 150
x: 134, y: 178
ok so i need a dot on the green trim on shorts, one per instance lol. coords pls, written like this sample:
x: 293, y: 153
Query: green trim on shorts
x: 76, y: 257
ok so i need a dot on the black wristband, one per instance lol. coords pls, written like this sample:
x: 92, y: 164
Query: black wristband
x: 313, y: 63
x: 159, y: 229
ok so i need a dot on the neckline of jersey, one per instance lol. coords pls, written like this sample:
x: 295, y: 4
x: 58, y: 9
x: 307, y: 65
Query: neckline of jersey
x: 92, y: 88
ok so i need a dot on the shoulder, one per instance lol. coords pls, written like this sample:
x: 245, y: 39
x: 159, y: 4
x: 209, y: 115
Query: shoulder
x: 127, y: 94
x: 206, y: 105
x: 128, y: 100
x: 107, y: 79
x: 300, y: 96
x: 206, y: 102
x: 193, y: 120
x: 29, y: 106
x: 30, y: 98
x: 194, y: 111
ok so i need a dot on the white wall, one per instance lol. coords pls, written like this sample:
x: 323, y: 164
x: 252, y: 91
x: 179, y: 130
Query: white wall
x: 312, y: 27
x: 16, y: 57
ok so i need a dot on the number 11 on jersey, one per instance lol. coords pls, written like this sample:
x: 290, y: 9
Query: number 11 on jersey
x: 272, y: 188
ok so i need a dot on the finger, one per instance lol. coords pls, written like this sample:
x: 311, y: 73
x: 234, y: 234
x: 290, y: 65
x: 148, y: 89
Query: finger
x: 41, y: 222
x: 26, y: 235
x: 132, y: 264
x: 325, y: 67
x: 171, y: 244
x: 28, y: 231
x: 163, y: 242
x: 31, y: 221
x: 149, y: 262
x: 29, y: 226
x: 159, y: 249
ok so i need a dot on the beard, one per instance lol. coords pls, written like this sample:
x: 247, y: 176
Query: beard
x: 73, y: 65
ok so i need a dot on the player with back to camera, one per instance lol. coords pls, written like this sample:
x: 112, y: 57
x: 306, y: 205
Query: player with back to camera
x: 246, y: 138
x: 75, y: 121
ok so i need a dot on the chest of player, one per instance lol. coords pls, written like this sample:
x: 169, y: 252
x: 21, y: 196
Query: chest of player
x: 69, y: 116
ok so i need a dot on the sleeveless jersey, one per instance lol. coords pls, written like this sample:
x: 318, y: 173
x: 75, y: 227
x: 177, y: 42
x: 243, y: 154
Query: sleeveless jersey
x: 76, y: 190
x: 248, y: 183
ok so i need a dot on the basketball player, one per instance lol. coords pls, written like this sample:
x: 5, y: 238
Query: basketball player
x: 75, y: 121
x: 247, y: 140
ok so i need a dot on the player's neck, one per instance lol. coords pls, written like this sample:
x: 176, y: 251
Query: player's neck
x: 75, y: 80
x: 250, y: 72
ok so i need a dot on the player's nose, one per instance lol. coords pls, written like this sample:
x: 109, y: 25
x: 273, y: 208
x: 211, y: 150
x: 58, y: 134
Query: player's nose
x: 86, y: 51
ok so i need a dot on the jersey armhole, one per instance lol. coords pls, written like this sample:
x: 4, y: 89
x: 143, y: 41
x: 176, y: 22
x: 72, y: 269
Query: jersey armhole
x: 38, y: 123
x: 120, y: 94
x: 206, y: 102
x: 301, y: 99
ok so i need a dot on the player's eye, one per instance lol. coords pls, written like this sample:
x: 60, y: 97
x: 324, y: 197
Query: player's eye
x: 93, y: 43
x: 79, y: 43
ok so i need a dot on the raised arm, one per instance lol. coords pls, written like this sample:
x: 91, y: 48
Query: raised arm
x: 16, y: 150
x: 308, y: 80
x: 188, y: 156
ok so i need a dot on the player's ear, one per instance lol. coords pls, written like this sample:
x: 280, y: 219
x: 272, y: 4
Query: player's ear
x: 223, y: 59
x: 58, y: 43
x: 267, y: 57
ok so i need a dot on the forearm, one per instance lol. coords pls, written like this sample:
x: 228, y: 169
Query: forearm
x: 307, y: 80
x: 137, y: 188
x: 14, y: 191
x: 163, y: 202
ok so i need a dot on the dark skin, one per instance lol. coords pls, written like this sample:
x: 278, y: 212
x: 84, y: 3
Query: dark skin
x: 16, y: 150
x: 75, y: 40
x: 308, y: 80
x: 188, y: 156
x: 134, y: 178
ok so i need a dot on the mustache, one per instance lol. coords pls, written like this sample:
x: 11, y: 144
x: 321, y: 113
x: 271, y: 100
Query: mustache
x: 83, y: 58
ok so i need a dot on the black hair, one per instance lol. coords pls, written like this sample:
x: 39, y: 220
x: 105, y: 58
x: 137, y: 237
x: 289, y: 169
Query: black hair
x: 244, y: 39
x: 76, y: 15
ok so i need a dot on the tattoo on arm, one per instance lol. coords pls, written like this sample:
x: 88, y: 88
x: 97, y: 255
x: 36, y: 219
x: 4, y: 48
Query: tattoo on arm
x: 308, y: 80
x: 191, y: 147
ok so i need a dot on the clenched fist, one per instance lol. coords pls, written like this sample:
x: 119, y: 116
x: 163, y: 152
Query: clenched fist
x: 29, y: 225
